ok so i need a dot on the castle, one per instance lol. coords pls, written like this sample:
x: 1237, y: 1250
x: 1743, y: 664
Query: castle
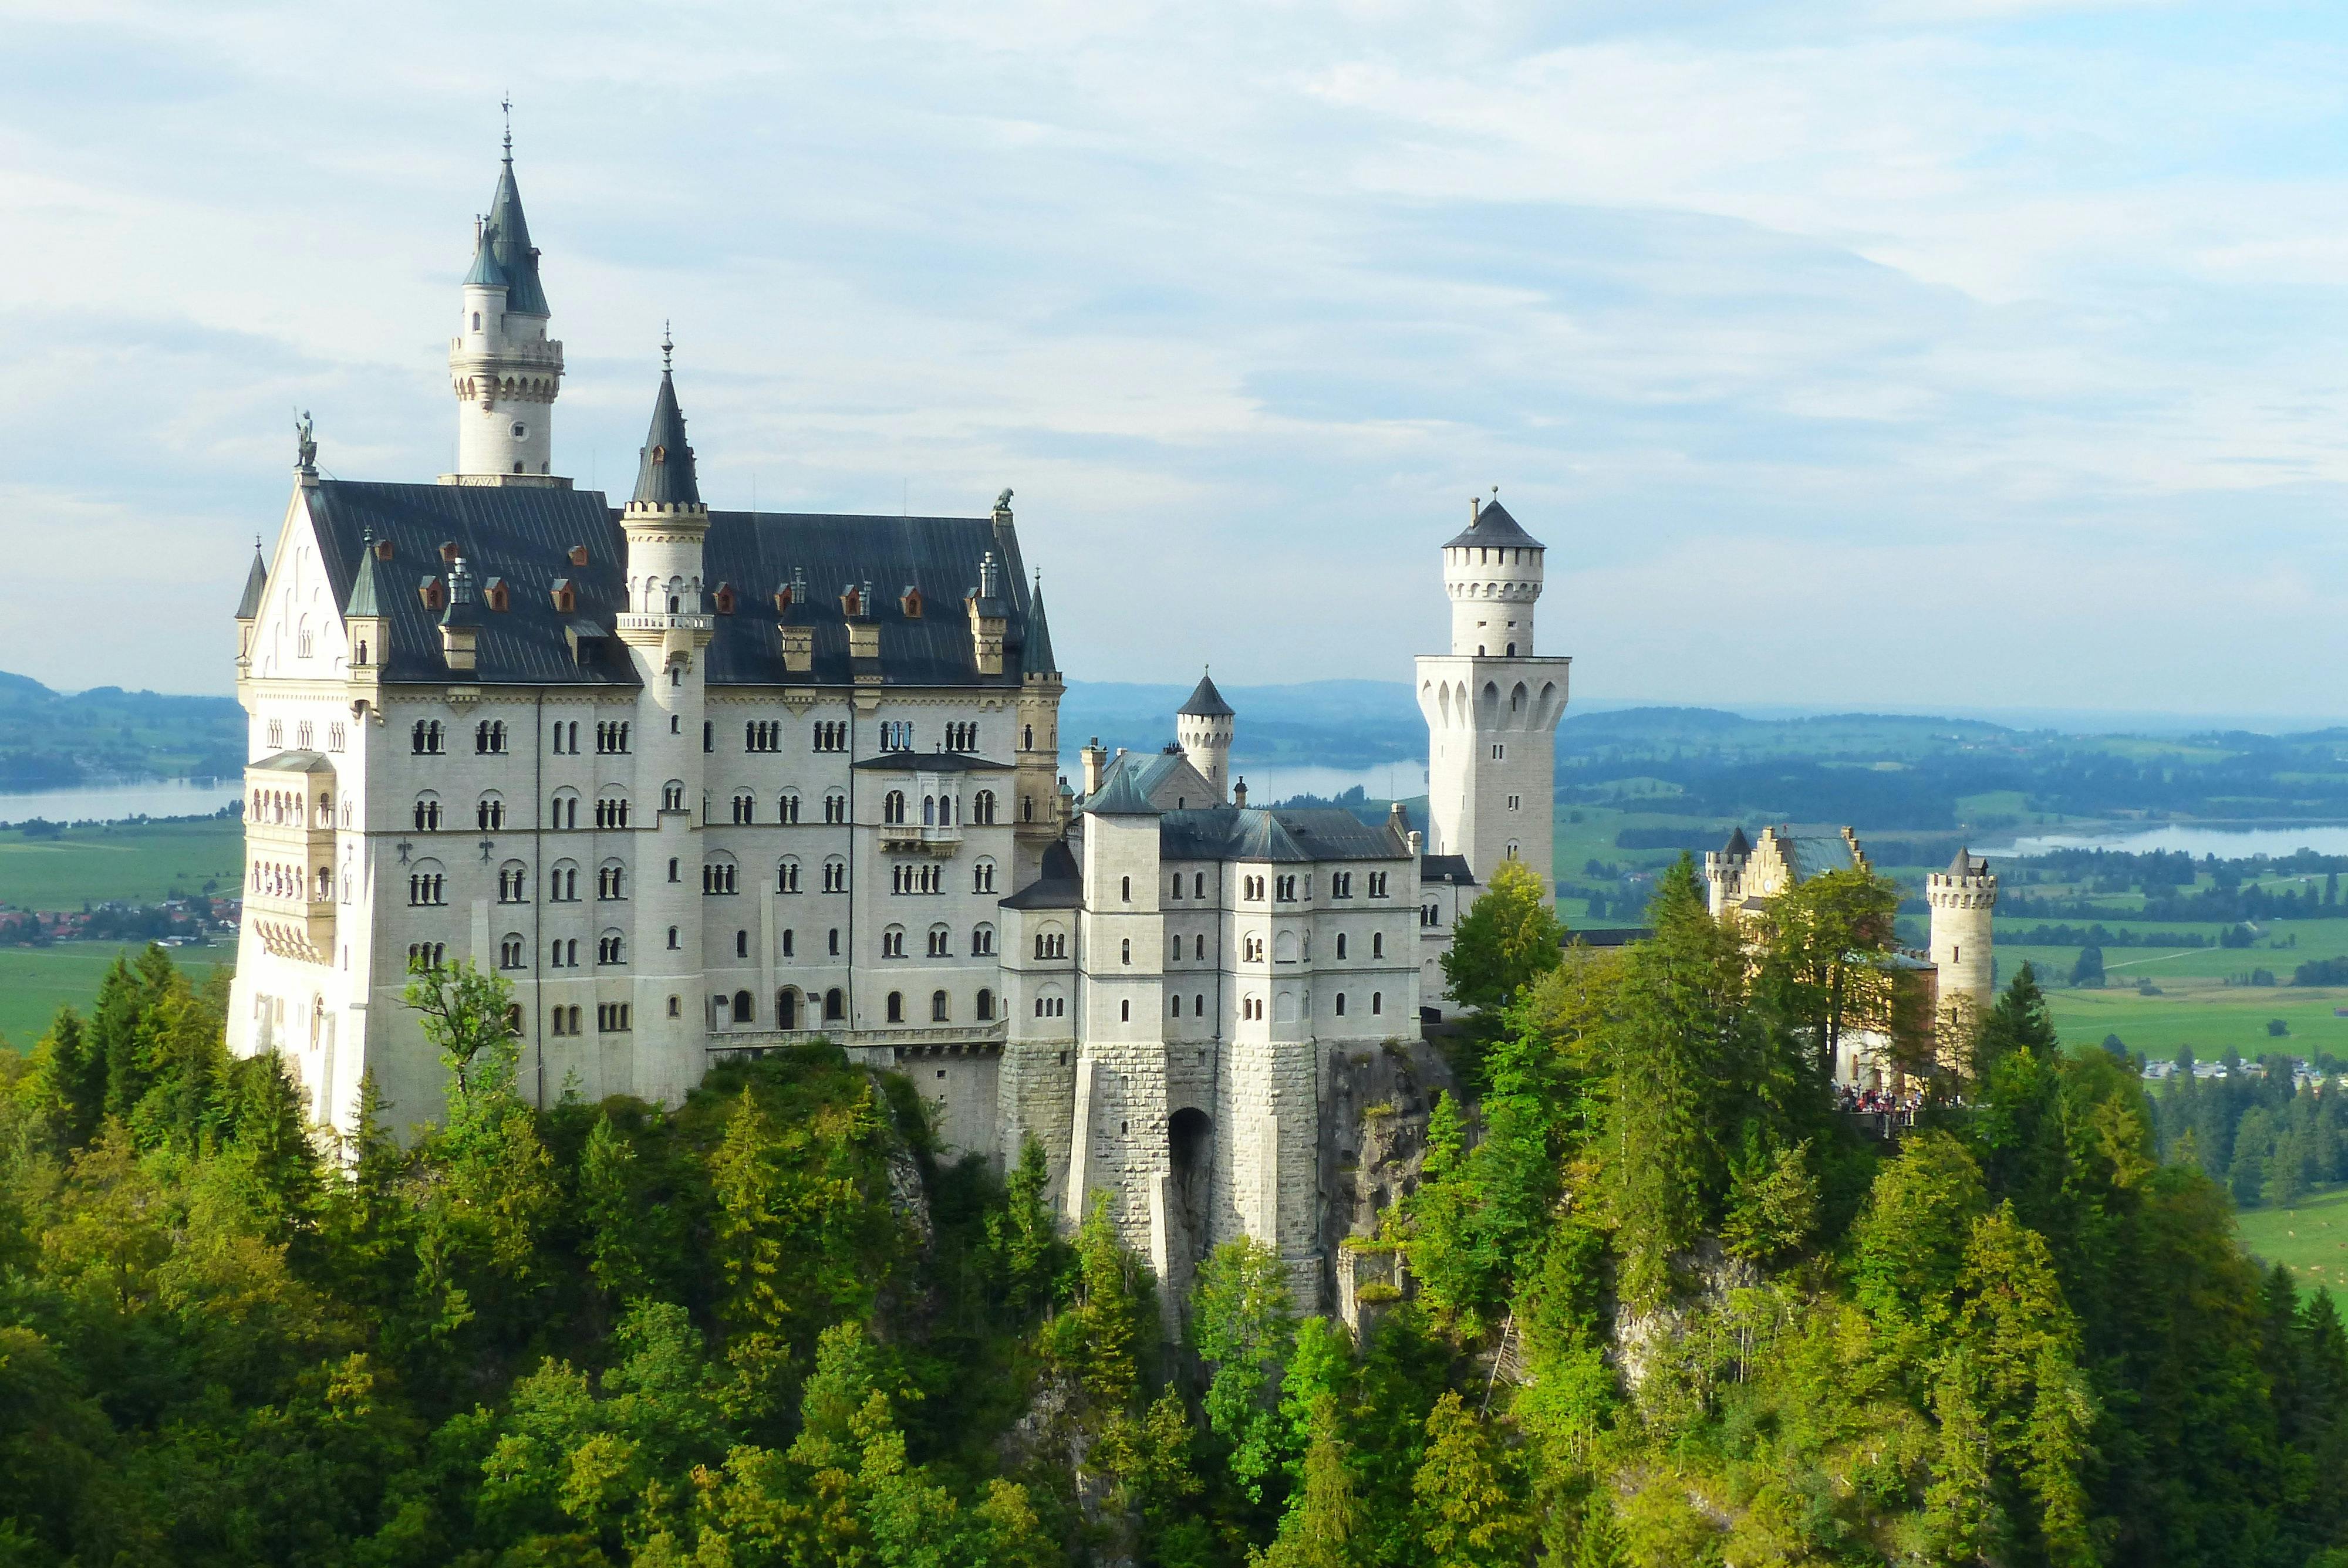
x: 702, y: 783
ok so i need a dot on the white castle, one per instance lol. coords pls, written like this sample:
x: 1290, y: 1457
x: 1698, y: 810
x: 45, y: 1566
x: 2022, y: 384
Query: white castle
x: 703, y: 782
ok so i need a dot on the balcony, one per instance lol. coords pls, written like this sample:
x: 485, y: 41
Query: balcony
x: 297, y: 928
x: 679, y: 620
x: 912, y: 836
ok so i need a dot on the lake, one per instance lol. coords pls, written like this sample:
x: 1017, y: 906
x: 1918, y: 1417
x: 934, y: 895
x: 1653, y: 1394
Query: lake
x: 2196, y: 839
x: 115, y: 802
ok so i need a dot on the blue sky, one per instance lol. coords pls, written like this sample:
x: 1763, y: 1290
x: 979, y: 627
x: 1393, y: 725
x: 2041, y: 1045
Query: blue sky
x: 1899, y: 354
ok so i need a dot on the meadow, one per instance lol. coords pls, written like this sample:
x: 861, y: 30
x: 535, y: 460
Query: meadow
x: 139, y: 862
x: 2311, y: 1239
x: 36, y: 981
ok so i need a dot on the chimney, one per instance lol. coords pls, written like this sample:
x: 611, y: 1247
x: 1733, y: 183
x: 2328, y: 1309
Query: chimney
x: 1095, y: 760
x: 1418, y: 842
x: 1239, y: 792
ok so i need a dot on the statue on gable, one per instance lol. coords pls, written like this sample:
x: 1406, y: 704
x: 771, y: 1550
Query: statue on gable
x: 305, y: 443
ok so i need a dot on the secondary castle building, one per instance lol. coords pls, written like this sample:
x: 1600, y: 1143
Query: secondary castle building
x: 698, y: 783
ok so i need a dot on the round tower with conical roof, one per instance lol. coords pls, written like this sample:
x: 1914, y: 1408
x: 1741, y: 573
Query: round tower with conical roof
x: 505, y: 370
x: 1963, y: 901
x: 667, y: 629
x: 1203, y: 728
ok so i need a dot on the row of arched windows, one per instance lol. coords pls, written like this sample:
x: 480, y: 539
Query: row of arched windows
x: 289, y: 808
x: 272, y: 879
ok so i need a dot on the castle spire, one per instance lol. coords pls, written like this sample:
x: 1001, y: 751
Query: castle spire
x: 665, y: 472
x: 1036, y: 650
x: 505, y: 370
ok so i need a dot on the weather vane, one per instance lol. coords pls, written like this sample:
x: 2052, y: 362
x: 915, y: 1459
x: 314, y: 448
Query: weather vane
x: 667, y: 347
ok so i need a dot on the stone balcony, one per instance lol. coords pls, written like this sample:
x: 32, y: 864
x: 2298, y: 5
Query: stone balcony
x: 912, y: 836
x: 297, y: 928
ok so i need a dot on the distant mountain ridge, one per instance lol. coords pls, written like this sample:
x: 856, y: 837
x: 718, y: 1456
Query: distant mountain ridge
x: 57, y: 740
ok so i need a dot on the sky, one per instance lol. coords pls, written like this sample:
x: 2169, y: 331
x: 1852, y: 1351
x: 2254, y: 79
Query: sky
x: 1906, y: 355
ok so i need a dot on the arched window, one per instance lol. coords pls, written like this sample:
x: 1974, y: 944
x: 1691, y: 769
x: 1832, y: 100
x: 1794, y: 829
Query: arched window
x: 1341, y: 1004
x: 509, y: 952
x: 982, y: 808
x: 835, y: 875
x: 564, y: 809
x: 428, y: 812
x: 611, y: 880
x: 893, y: 942
x: 1027, y: 738
x: 981, y: 940
x: 896, y: 1007
x: 786, y: 806
x: 1125, y: 889
x: 745, y: 809
x: 1125, y: 1011
x: 938, y: 1007
x: 892, y: 807
x: 610, y: 947
x: 835, y: 1006
x: 1341, y: 944
x: 929, y: 811
x: 981, y: 875
x: 985, y: 1005
x: 718, y: 875
x: 490, y: 813
x: 786, y: 874
x: 786, y: 1009
x: 744, y: 1009
x: 1125, y: 951
x: 1378, y: 943
x: 673, y: 795
x: 513, y: 882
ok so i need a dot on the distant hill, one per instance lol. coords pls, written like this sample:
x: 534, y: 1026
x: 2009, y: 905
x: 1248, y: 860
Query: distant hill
x: 55, y: 740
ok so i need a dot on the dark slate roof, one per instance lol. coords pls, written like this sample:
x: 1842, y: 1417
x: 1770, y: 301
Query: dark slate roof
x: 931, y: 762
x: 1815, y: 854
x: 1156, y: 773
x: 256, y: 588
x: 1968, y: 864
x: 1119, y: 795
x: 520, y: 533
x: 509, y: 243
x: 1206, y: 702
x: 1494, y: 526
x: 1035, y: 651
x: 1445, y: 869
x: 1058, y: 884
x: 1737, y: 843
x: 665, y: 475
x: 938, y: 555
x: 1263, y: 833
x: 366, y: 598
x: 486, y: 271
x: 524, y: 534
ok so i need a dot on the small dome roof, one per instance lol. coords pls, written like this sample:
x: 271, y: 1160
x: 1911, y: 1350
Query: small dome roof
x: 1205, y: 701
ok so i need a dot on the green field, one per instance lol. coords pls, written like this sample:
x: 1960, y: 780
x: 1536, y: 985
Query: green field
x: 2310, y: 1239
x: 36, y: 981
x: 132, y: 863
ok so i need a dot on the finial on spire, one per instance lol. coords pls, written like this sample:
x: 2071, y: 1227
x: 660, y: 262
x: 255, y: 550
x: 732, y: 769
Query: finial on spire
x: 668, y: 348
x: 506, y: 104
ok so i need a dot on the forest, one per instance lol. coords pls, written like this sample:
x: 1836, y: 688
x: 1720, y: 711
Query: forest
x: 1665, y: 1306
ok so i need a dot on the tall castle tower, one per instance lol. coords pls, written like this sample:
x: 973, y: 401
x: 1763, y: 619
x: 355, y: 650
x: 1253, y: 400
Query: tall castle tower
x: 1963, y: 900
x: 1492, y: 705
x: 504, y: 369
x: 666, y: 631
x: 1203, y: 728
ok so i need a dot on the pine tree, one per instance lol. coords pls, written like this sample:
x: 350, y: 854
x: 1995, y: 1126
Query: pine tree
x: 1324, y: 1525
x: 1244, y: 1324
x: 1600, y: 1542
x: 1469, y: 1512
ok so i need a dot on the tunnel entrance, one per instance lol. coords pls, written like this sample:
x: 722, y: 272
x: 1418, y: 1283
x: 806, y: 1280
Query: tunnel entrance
x: 1191, y: 1136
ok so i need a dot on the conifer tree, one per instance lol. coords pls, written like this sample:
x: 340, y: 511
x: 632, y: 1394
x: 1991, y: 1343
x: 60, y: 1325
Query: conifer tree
x: 1468, y: 1513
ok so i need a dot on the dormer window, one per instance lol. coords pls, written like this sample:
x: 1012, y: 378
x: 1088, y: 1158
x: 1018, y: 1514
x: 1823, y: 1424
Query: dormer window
x: 660, y: 454
x: 447, y: 549
x: 433, y: 592
x: 566, y: 598
x: 578, y: 555
x: 724, y: 596
x: 494, y: 594
x: 910, y: 601
x: 851, y: 603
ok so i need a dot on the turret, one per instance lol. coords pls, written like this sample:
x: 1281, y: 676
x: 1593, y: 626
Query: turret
x: 1203, y: 726
x: 365, y: 624
x: 1042, y: 814
x: 248, y: 608
x: 1724, y: 873
x: 505, y: 370
x: 1963, y: 901
x: 1492, y: 571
